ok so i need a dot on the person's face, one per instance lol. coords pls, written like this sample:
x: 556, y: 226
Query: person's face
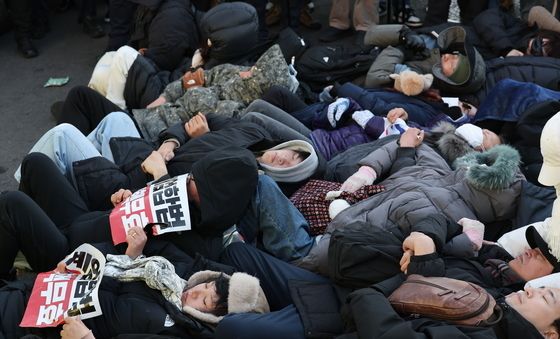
x: 202, y: 297
x: 531, y: 264
x: 449, y: 63
x: 539, y: 306
x: 281, y: 158
x: 489, y: 139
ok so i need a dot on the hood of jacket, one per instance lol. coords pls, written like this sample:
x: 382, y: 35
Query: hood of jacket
x: 495, y: 169
x: 448, y: 143
x: 226, y: 180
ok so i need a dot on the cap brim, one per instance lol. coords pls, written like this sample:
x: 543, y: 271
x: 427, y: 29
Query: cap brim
x: 549, y: 175
x: 535, y: 240
x: 438, y: 73
x: 455, y: 34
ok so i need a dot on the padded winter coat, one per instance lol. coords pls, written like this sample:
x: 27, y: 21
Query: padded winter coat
x: 420, y: 183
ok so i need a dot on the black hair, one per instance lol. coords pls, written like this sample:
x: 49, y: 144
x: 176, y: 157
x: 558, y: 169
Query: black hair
x: 552, y: 47
x: 556, y: 324
x: 302, y: 154
x: 221, y: 284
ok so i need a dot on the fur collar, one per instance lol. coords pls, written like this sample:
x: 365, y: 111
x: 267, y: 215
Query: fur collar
x: 245, y: 295
x: 448, y: 143
x: 494, y: 169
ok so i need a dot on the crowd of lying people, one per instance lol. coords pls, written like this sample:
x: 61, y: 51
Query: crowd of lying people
x: 307, y: 210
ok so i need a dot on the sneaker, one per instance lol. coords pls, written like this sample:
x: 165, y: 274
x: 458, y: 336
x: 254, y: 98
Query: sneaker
x: 273, y: 16
x: 411, y: 19
x: 306, y: 20
x: 332, y: 34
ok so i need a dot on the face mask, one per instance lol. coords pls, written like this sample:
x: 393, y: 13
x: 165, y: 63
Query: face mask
x: 537, y: 47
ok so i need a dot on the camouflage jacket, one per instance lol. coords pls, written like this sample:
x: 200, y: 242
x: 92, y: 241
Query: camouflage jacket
x: 224, y: 92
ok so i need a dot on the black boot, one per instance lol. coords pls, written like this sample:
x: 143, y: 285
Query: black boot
x: 25, y: 47
x: 92, y: 27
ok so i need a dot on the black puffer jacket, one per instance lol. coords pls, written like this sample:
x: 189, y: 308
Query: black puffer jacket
x: 501, y: 32
x: 543, y: 71
x: 232, y: 28
x: 168, y: 31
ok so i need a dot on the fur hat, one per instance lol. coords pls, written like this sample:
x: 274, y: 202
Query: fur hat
x: 451, y: 145
x: 411, y: 83
x: 245, y: 295
x: 296, y: 173
x: 493, y: 169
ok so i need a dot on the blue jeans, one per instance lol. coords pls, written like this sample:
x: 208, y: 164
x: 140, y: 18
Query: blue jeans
x: 65, y: 144
x: 274, y: 224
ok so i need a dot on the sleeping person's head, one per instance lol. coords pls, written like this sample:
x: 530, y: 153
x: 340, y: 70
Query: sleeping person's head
x: 537, y: 261
x: 478, y: 138
x: 291, y: 161
x: 210, y: 295
x: 540, y: 307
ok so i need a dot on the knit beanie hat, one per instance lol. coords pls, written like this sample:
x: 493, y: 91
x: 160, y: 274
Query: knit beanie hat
x: 245, y: 295
x: 471, y: 133
x: 296, y: 173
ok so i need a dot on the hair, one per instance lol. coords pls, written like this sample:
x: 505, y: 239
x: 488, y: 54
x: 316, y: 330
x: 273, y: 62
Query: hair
x: 302, y: 154
x: 552, y: 48
x: 556, y: 323
x: 221, y: 284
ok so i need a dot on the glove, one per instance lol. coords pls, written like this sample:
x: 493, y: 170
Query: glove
x: 362, y: 117
x: 336, y: 110
x: 411, y: 39
x: 364, y: 176
x: 474, y: 229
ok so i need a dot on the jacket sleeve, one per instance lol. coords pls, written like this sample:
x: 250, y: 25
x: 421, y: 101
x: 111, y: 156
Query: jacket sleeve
x: 459, y: 246
x: 173, y: 91
x: 428, y: 265
x: 383, y: 66
x: 367, y: 99
x: 382, y: 159
x: 374, y: 317
x: 491, y: 27
x: 405, y: 157
x: 439, y: 228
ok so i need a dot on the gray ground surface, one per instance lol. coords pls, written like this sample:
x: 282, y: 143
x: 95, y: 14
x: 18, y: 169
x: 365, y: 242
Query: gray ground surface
x: 24, y: 103
x: 65, y: 51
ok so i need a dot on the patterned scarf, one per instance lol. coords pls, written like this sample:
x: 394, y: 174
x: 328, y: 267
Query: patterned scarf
x: 157, y: 272
x: 501, y: 272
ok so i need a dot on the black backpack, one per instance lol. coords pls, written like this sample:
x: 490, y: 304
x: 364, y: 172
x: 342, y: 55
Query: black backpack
x: 320, y: 66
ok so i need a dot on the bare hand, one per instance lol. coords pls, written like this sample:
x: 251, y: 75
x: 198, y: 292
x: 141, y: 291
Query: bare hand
x: 61, y: 267
x: 119, y: 196
x: 514, y: 52
x: 154, y: 164
x: 74, y: 328
x: 197, y: 126
x: 405, y: 260
x: 159, y: 101
x: 396, y: 113
x: 166, y: 150
x: 136, y: 239
x: 413, y: 137
x: 419, y: 244
x: 142, y: 51
x: 197, y: 59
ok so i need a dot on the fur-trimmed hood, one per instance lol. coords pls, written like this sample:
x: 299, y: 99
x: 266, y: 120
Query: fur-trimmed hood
x: 245, y: 295
x: 494, y: 169
x: 450, y: 145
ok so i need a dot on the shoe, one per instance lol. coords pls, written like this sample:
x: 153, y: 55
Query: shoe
x: 26, y: 48
x: 92, y: 28
x: 409, y: 18
x: 332, y: 34
x: 107, y: 17
x: 306, y: 20
x: 273, y: 16
x: 311, y: 6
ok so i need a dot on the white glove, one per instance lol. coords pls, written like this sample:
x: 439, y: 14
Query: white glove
x: 474, y: 229
x: 364, y: 176
x: 336, y: 110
